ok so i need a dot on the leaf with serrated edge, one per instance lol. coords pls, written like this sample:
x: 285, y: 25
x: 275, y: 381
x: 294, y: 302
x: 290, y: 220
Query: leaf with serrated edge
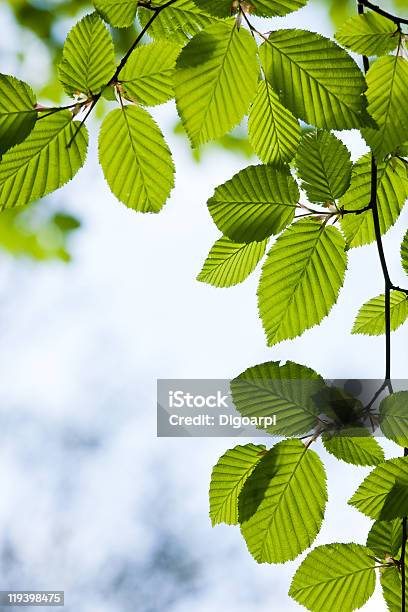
x: 227, y: 479
x: 335, y: 577
x: 392, y: 192
x: 368, y: 34
x: 285, y: 391
x: 394, y: 417
x: 370, y: 319
x: 218, y: 65
x: 256, y: 203
x: 355, y: 446
x: 315, y: 78
x: 274, y: 527
x: 88, y: 58
x: 383, y: 495
x: 147, y: 77
x: 26, y: 173
x: 135, y: 159
x: 301, y: 279
x: 17, y: 111
x: 119, y: 13
x: 229, y: 263
x: 273, y: 131
x: 384, y: 538
x: 324, y: 166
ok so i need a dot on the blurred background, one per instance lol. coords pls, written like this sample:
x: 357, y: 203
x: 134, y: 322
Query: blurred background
x: 96, y: 303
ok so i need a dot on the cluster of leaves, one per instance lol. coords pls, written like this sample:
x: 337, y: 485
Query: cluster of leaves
x: 296, y: 87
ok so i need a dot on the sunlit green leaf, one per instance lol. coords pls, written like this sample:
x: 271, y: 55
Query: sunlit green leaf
x: 135, y: 159
x: 301, y: 279
x: 404, y: 252
x: 324, y: 166
x: 26, y: 173
x: 257, y: 202
x: 371, y: 316
x: 218, y: 66
x: 227, y: 479
x: 273, y: 131
x: 229, y: 263
x: 17, y: 114
x: 384, y: 538
x: 356, y: 446
x: 335, y: 577
x: 316, y: 79
x: 383, y: 495
x: 394, y: 417
x: 147, y: 77
x: 281, y: 505
x: 368, y: 34
x: 119, y: 13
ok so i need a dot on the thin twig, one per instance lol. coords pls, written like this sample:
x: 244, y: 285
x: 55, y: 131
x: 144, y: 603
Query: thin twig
x: 377, y: 9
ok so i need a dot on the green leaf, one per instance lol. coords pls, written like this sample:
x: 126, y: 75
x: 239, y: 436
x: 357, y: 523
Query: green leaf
x: 218, y: 66
x: 286, y: 391
x: 257, y: 202
x: 391, y: 583
x: 371, y: 316
x: 273, y: 131
x: 384, y: 538
x: 43, y: 162
x: 229, y: 263
x: 368, y: 34
x: 177, y: 22
x: 263, y: 8
x: 301, y: 279
x: 88, y: 59
x: 119, y: 13
x: 135, y: 159
x: 316, y: 79
x: 394, y: 417
x: 386, y: 94
x: 392, y: 192
x: 354, y: 446
x: 404, y: 252
x: 383, y: 495
x: 335, y: 577
x: 147, y: 77
x: 281, y: 505
x: 324, y: 166
x: 17, y: 112
x: 227, y: 479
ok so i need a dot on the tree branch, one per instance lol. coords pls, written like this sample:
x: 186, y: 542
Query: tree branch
x: 376, y: 9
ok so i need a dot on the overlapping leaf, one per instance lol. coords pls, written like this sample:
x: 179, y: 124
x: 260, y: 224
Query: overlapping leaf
x: 324, y: 166
x: 370, y: 319
x: 335, y: 577
x: 281, y: 505
x: 404, y: 253
x: 215, y: 80
x: 285, y: 391
x: 17, y: 111
x: 229, y: 263
x: 88, y: 59
x: 383, y: 495
x: 26, y: 172
x: 178, y: 21
x: 135, y: 159
x: 119, y: 13
x: 394, y: 417
x: 273, y: 131
x: 386, y: 94
x: 316, y: 79
x: 257, y: 202
x: 354, y: 446
x: 368, y: 34
x: 392, y: 192
x: 391, y: 583
x: 301, y: 279
x: 147, y: 77
x: 384, y: 538
x: 227, y: 479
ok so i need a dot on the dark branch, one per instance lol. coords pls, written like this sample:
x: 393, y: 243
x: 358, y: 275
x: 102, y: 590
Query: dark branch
x: 376, y: 9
